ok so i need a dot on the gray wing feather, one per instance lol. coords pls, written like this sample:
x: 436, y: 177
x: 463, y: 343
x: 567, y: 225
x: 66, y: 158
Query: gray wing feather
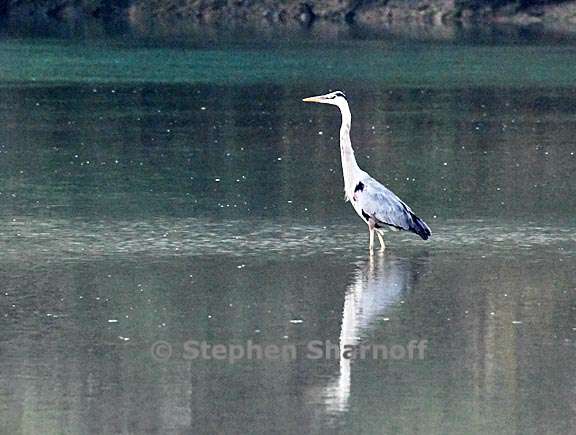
x: 385, y: 207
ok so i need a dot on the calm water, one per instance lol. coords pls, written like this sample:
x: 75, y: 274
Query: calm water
x: 152, y: 193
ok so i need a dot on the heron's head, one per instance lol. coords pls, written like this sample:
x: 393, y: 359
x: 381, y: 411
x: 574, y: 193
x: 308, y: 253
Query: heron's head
x: 335, y: 98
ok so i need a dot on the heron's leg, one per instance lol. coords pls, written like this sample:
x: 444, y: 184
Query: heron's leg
x: 371, y: 228
x: 381, y: 239
x: 371, y: 241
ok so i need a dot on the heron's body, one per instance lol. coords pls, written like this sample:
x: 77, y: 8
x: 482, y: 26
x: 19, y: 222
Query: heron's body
x: 378, y: 206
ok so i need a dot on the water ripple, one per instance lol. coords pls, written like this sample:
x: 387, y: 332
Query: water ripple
x: 56, y: 240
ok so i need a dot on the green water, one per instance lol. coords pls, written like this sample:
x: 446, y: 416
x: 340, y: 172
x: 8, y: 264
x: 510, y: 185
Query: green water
x: 183, y: 192
x: 316, y: 63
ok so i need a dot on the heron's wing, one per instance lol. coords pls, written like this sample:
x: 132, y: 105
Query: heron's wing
x: 381, y: 204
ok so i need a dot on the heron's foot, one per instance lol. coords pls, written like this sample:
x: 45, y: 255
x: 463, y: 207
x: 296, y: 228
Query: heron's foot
x: 381, y: 239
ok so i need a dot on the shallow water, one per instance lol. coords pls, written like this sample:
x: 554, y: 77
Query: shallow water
x: 176, y: 193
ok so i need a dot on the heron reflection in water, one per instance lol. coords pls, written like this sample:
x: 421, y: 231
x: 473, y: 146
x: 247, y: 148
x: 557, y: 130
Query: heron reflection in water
x: 377, y: 285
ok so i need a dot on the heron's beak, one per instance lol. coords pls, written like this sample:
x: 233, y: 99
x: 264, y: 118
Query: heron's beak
x: 313, y: 99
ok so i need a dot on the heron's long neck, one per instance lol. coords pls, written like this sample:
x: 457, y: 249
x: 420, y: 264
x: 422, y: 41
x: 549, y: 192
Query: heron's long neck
x: 349, y: 166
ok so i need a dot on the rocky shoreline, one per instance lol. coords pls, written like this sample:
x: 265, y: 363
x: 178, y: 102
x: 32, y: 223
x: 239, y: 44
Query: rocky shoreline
x: 376, y: 14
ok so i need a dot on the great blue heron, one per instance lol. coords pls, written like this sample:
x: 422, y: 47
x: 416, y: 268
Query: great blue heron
x: 373, y: 202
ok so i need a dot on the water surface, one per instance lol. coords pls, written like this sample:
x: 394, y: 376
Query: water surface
x: 184, y: 192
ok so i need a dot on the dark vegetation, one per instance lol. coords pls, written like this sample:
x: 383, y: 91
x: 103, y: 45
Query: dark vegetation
x: 376, y: 13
